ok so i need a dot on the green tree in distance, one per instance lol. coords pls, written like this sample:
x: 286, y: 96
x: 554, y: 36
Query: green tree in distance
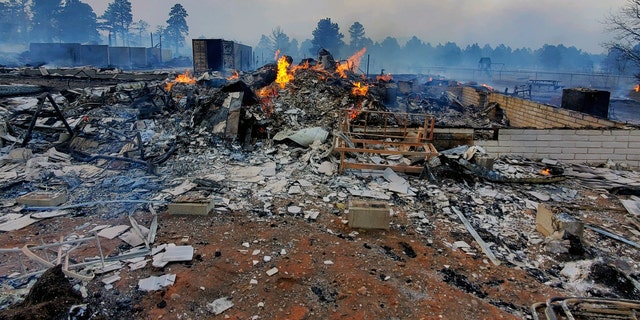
x: 117, y: 19
x: 44, y: 16
x: 76, y: 22
x: 327, y: 35
x: 356, y: 34
x: 177, y: 28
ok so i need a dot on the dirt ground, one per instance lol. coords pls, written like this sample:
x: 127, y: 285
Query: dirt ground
x: 374, y: 274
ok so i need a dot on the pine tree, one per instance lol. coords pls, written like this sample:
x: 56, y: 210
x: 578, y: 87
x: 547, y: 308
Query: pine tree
x: 177, y: 28
x: 327, y: 35
x: 117, y: 19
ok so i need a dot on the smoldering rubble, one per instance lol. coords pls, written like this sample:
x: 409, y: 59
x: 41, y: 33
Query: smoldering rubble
x: 155, y: 149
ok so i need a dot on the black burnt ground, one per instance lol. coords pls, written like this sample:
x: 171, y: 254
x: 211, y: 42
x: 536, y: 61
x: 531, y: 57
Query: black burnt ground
x: 51, y: 297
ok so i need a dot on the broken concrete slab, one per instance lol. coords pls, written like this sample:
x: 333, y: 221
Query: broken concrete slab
x: 178, y: 253
x: 112, y: 232
x: 156, y: 283
x: 133, y: 238
x: 272, y: 271
x: 219, y: 305
x: 632, y: 206
x: 17, y: 224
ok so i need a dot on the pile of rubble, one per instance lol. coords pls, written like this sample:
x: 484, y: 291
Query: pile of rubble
x: 170, y: 178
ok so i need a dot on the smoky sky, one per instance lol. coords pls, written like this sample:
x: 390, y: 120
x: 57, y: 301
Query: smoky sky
x: 515, y: 23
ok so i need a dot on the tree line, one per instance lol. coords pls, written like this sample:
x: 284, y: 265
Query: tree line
x: 416, y: 55
x: 27, y: 21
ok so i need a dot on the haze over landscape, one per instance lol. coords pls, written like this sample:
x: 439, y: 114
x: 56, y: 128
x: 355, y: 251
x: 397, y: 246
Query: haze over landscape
x: 517, y: 24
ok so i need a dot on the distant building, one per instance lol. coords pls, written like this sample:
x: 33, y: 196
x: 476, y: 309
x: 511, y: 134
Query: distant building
x: 75, y: 54
x: 220, y: 55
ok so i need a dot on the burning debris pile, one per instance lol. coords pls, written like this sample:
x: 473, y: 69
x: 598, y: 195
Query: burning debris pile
x: 167, y: 177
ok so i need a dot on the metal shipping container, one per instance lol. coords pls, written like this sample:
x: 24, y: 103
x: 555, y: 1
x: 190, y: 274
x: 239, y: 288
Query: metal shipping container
x: 220, y: 55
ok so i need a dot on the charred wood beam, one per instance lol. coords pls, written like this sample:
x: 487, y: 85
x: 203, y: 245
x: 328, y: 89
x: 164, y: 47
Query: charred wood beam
x: 41, y: 100
x: 151, y: 167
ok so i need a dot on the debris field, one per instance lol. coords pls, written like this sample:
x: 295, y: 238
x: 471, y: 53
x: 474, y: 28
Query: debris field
x: 153, y: 195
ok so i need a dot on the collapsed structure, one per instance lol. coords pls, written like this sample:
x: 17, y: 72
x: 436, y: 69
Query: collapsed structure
x: 231, y: 191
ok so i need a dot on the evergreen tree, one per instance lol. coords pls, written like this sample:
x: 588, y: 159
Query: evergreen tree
x: 177, y: 28
x: 356, y: 34
x: 327, y: 35
x: 140, y: 27
x: 549, y: 57
x: 76, y: 22
x: 117, y: 19
x: 279, y: 41
x: 14, y: 21
x: 42, y: 22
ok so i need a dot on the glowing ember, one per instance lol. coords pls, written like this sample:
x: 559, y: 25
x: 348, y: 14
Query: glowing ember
x: 355, y: 111
x: 284, y: 76
x: 637, y: 88
x: 384, y: 77
x: 359, y: 89
x: 181, y: 78
x: 545, y: 172
x: 234, y: 75
x: 266, y: 95
x: 351, y: 64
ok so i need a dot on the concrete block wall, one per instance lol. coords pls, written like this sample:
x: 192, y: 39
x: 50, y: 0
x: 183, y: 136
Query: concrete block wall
x: 579, y: 146
x: 530, y: 114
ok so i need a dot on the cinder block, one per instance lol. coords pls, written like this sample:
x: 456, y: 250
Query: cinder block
x: 191, y: 206
x: 368, y: 214
x: 631, y: 153
x: 588, y: 144
x: 600, y: 150
x: 603, y: 138
x: 620, y: 133
x: 43, y: 198
x: 573, y: 150
x: 564, y: 144
x: 618, y: 145
x: 549, y: 137
x: 590, y: 157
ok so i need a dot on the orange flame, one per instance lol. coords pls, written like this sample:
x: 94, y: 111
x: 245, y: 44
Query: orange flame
x: 545, y: 172
x: 351, y: 64
x: 359, y: 89
x: 305, y: 65
x: 234, y: 75
x: 355, y: 111
x: 275, y: 56
x: 384, y: 77
x: 284, y: 76
x: 266, y: 95
x: 181, y: 78
x: 637, y: 88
